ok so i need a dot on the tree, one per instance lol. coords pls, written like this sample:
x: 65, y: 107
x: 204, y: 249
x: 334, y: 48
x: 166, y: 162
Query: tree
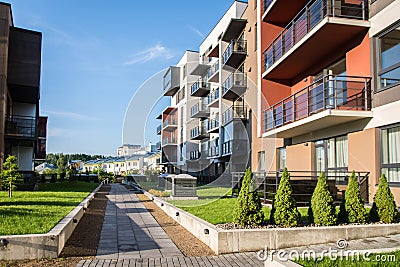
x: 384, y: 206
x: 322, y: 205
x: 61, y: 165
x: 353, y: 203
x: 285, y: 212
x: 10, y: 176
x: 248, y: 209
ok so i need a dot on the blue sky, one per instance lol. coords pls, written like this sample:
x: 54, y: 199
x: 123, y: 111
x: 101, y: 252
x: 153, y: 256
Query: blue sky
x: 96, y: 53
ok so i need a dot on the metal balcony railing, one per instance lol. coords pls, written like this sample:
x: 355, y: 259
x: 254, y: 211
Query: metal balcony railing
x: 194, y: 155
x: 169, y: 122
x: 200, y: 83
x: 234, y: 112
x: 238, y: 79
x: 20, y: 126
x: 235, y: 46
x: 197, y: 131
x: 213, y: 69
x: 214, y: 95
x: 202, y: 106
x: 227, y: 148
x: 169, y: 141
x: 329, y: 92
x: 212, y: 124
x: 213, y: 151
x: 313, y: 13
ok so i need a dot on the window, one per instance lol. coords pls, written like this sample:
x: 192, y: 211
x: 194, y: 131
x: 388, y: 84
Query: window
x: 389, y: 57
x: 255, y: 37
x: 281, y: 158
x: 390, y: 153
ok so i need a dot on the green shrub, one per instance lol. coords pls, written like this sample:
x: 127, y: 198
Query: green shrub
x: 285, y: 212
x: 384, y: 207
x: 10, y: 177
x: 322, y: 206
x: 248, y: 205
x: 353, y: 203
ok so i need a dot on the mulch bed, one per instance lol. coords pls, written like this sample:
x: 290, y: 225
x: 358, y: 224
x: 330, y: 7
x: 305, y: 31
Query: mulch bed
x: 187, y: 243
x: 83, y: 241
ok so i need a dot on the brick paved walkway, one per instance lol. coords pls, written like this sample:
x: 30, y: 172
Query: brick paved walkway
x: 130, y: 231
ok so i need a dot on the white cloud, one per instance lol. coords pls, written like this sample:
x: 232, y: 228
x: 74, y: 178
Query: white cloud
x: 157, y: 51
x: 199, y: 33
x: 69, y: 115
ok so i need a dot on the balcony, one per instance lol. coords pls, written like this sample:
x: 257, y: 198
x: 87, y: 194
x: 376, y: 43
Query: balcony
x: 212, y: 125
x: 234, y: 29
x: 226, y: 148
x: 212, y: 73
x: 169, y: 141
x: 212, y: 98
x: 199, y: 133
x: 234, y: 86
x: 200, y: 110
x: 282, y: 11
x: 321, y: 33
x: 169, y: 124
x: 20, y: 126
x: 328, y: 102
x: 235, y: 53
x: 171, y: 81
x: 159, y: 128
x: 234, y: 112
x: 200, y: 88
x: 158, y: 145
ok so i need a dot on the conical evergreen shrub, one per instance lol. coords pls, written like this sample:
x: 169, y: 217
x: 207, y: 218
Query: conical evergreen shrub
x: 384, y: 207
x: 248, y: 209
x: 285, y: 210
x: 322, y: 206
x: 354, y: 205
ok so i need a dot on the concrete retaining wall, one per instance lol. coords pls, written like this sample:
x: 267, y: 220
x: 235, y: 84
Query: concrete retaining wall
x: 230, y: 241
x: 50, y: 245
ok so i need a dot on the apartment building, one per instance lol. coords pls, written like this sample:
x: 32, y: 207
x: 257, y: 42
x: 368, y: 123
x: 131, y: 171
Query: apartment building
x: 22, y: 130
x: 207, y: 131
x: 330, y: 89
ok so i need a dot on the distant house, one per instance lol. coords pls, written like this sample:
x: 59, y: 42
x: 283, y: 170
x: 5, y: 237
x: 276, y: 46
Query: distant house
x: 127, y: 150
x: 75, y: 164
x: 44, y: 167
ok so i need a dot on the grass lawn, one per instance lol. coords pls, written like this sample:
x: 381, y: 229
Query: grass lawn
x: 38, y: 212
x: 216, y: 206
x: 390, y: 259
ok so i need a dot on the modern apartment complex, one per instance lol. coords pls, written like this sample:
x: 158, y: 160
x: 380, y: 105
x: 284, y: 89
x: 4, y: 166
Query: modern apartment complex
x: 329, y: 76
x: 313, y: 86
x: 22, y: 130
x: 207, y: 130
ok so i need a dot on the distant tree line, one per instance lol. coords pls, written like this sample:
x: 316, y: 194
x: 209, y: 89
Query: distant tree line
x: 65, y: 158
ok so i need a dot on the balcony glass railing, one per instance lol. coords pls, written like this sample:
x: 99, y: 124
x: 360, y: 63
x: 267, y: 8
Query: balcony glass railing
x: 234, y: 112
x: 313, y: 13
x: 200, y: 83
x: 214, y: 95
x: 213, y: 69
x: 329, y: 92
x: 158, y: 131
x: 235, y: 79
x: 235, y: 46
x: 213, y: 151
x: 21, y: 126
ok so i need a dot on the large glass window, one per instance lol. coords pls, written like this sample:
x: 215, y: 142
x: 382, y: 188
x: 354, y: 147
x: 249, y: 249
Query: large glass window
x: 390, y: 153
x: 261, y: 161
x: 282, y: 158
x: 389, y: 67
